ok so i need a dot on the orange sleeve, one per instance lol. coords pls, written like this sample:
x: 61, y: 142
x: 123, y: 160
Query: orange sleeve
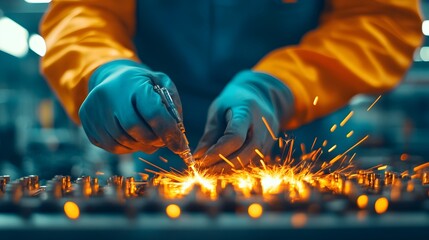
x: 80, y: 36
x: 361, y: 46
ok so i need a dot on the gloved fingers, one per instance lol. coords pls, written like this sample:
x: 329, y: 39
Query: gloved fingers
x: 126, y: 138
x: 151, y: 108
x: 246, y: 156
x: 99, y: 136
x: 163, y: 80
x: 136, y: 127
x: 214, y: 129
x: 235, y: 134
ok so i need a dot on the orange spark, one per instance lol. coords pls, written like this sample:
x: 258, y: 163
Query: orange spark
x: 356, y: 144
x: 376, y: 100
x: 333, y: 127
x: 163, y: 159
x: 314, y: 143
x: 259, y: 153
x: 226, y: 160
x: 325, y: 143
x: 382, y: 167
x: 270, y: 130
x: 316, y: 99
x: 349, y: 134
x: 332, y: 148
x: 346, y: 119
x: 421, y: 167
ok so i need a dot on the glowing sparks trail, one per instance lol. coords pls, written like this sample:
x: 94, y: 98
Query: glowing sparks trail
x: 357, y: 144
x: 226, y: 160
x: 325, y: 143
x: 333, y: 127
x: 421, y: 167
x: 316, y: 99
x: 270, y: 130
x: 259, y: 153
x: 376, y: 100
x: 284, y: 174
x: 346, y: 119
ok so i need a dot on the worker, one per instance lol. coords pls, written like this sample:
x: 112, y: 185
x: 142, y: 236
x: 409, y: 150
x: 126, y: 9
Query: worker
x: 232, y: 62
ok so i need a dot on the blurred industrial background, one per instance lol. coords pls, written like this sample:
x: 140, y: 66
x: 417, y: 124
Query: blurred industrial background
x: 36, y: 137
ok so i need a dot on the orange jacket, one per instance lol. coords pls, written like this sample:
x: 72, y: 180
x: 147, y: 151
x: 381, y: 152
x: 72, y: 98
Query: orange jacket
x: 359, y: 47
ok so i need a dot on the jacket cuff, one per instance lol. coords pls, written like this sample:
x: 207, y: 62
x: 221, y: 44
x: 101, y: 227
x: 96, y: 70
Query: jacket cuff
x: 113, y: 67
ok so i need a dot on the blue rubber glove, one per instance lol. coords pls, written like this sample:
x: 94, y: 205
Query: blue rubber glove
x: 234, y: 126
x: 122, y: 112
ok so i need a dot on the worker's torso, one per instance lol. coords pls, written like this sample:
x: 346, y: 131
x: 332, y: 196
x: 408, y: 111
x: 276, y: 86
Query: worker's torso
x: 202, y: 44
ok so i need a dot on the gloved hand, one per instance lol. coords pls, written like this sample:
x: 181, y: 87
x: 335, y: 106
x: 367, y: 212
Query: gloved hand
x: 234, y: 126
x: 122, y: 112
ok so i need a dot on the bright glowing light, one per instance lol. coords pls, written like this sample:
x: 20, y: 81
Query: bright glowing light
x: 316, y: 99
x: 381, y: 205
x: 173, y: 211
x: 404, y: 157
x: 255, y: 210
x: 271, y: 184
x: 37, y: 44
x: 13, y: 38
x: 424, y: 54
x: 425, y: 27
x: 362, y: 201
x: 71, y: 210
x: 38, y: 1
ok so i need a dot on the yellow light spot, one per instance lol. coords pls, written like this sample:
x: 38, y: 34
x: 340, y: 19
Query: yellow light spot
x: 316, y: 99
x: 333, y: 127
x: 362, y: 201
x: 349, y: 134
x: 404, y: 157
x: 346, y: 119
x: 71, y: 210
x: 98, y: 173
x: 332, y: 148
x: 173, y: 211
x: 299, y: 220
x: 381, y: 205
x: 255, y: 210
